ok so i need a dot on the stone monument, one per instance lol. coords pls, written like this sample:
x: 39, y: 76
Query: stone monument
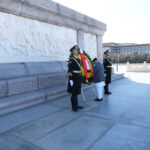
x: 35, y: 38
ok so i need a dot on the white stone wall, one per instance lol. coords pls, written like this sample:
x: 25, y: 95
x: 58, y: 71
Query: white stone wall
x: 90, y: 45
x: 27, y: 40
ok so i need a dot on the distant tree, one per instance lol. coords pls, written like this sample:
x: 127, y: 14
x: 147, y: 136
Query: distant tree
x: 131, y: 58
x: 148, y: 59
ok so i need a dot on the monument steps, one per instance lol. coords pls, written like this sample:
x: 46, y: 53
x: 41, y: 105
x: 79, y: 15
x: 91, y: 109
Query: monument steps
x: 21, y: 101
x: 28, y: 99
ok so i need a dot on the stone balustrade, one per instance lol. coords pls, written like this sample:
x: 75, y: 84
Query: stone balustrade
x: 132, y: 67
x: 138, y: 67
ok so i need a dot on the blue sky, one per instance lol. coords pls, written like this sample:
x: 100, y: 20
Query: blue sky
x: 128, y: 21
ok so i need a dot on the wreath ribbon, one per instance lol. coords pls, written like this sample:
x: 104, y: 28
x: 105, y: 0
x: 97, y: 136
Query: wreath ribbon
x: 83, y: 60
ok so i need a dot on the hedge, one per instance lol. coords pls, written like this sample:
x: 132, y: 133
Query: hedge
x: 131, y: 58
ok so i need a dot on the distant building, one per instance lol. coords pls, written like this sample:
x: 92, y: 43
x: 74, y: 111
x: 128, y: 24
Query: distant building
x: 126, y: 48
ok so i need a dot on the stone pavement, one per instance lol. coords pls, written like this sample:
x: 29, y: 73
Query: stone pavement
x: 120, y: 122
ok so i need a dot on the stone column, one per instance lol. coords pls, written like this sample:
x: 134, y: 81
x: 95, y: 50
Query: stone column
x: 99, y: 48
x: 80, y: 39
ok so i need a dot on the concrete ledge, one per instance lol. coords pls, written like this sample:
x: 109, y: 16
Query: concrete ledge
x: 3, y: 89
x: 18, y: 78
x: 21, y: 101
x: 117, y: 76
x: 38, y: 68
x: 51, y: 80
x: 56, y: 92
x: 53, y: 13
x: 12, y: 70
x: 64, y: 66
x: 28, y: 84
x: 17, y: 102
x: 19, y: 70
x: 22, y: 85
x: 26, y: 77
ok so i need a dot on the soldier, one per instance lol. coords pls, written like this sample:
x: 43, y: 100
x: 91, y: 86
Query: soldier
x: 107, y: 70
x: 74, y: 82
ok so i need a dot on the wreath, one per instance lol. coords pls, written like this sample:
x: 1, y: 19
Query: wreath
x: 86, y: 66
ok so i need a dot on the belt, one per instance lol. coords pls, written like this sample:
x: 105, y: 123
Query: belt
x: 76, y: 71
x: 109, y: 66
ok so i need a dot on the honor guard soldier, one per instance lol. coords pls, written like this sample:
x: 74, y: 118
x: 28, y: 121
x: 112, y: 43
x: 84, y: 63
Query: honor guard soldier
x: 107, y: 70
x: 74, y: 75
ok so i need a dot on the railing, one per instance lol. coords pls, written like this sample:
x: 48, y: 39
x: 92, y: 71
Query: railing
x: 128, y: 67
x: 138, y: 67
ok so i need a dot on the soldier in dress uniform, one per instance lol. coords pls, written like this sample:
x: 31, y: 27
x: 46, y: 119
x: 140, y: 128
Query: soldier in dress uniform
x: 74, y: 81
x: 107, y: 70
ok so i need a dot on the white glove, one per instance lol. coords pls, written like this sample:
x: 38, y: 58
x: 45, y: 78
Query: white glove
x: 71, y: 82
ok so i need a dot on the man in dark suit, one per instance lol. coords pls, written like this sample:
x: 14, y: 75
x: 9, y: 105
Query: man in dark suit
x: 98, y: 79
x: 74, y: 81
x: 107, y: 70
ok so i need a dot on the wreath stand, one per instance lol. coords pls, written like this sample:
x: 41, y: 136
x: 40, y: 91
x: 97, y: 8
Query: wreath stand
x: 82, y: 92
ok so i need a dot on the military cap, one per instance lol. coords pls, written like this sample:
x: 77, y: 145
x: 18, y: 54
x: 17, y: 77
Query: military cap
x: 107, y: 51
x: 94, y: 59
x: 74, y: 47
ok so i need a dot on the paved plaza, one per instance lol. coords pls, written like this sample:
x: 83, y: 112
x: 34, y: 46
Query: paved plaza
x: 120, y: 122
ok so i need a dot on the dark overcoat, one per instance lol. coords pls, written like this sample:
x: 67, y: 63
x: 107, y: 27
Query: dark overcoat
x: 74, y: 74
x: 107, y: 69
x: 98, y: 72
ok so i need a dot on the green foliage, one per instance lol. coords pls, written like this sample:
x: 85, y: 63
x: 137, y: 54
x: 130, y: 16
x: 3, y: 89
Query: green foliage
x: 83, y: 77
x: 131, y: 58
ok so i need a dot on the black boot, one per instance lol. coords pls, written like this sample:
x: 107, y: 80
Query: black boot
x: 80, y: 107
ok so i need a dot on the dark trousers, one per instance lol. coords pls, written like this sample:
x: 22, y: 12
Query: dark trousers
x: 74, y: 101
x: 106, y: 88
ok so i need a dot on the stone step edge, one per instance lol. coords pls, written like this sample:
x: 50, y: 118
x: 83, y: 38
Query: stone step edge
x: 20, y: 106
x: 32, y: 98
x: 117, y: 76
x: 26, y: 105
x: 17, y: 99
x: 41, y: 96
x: 31, y: 95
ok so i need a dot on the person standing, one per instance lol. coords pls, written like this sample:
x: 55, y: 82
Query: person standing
x: 107, y: 70
x: 98, y: 79
x: 74, y: 78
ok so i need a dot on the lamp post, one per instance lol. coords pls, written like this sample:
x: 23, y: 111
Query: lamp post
x: 117, y: 67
